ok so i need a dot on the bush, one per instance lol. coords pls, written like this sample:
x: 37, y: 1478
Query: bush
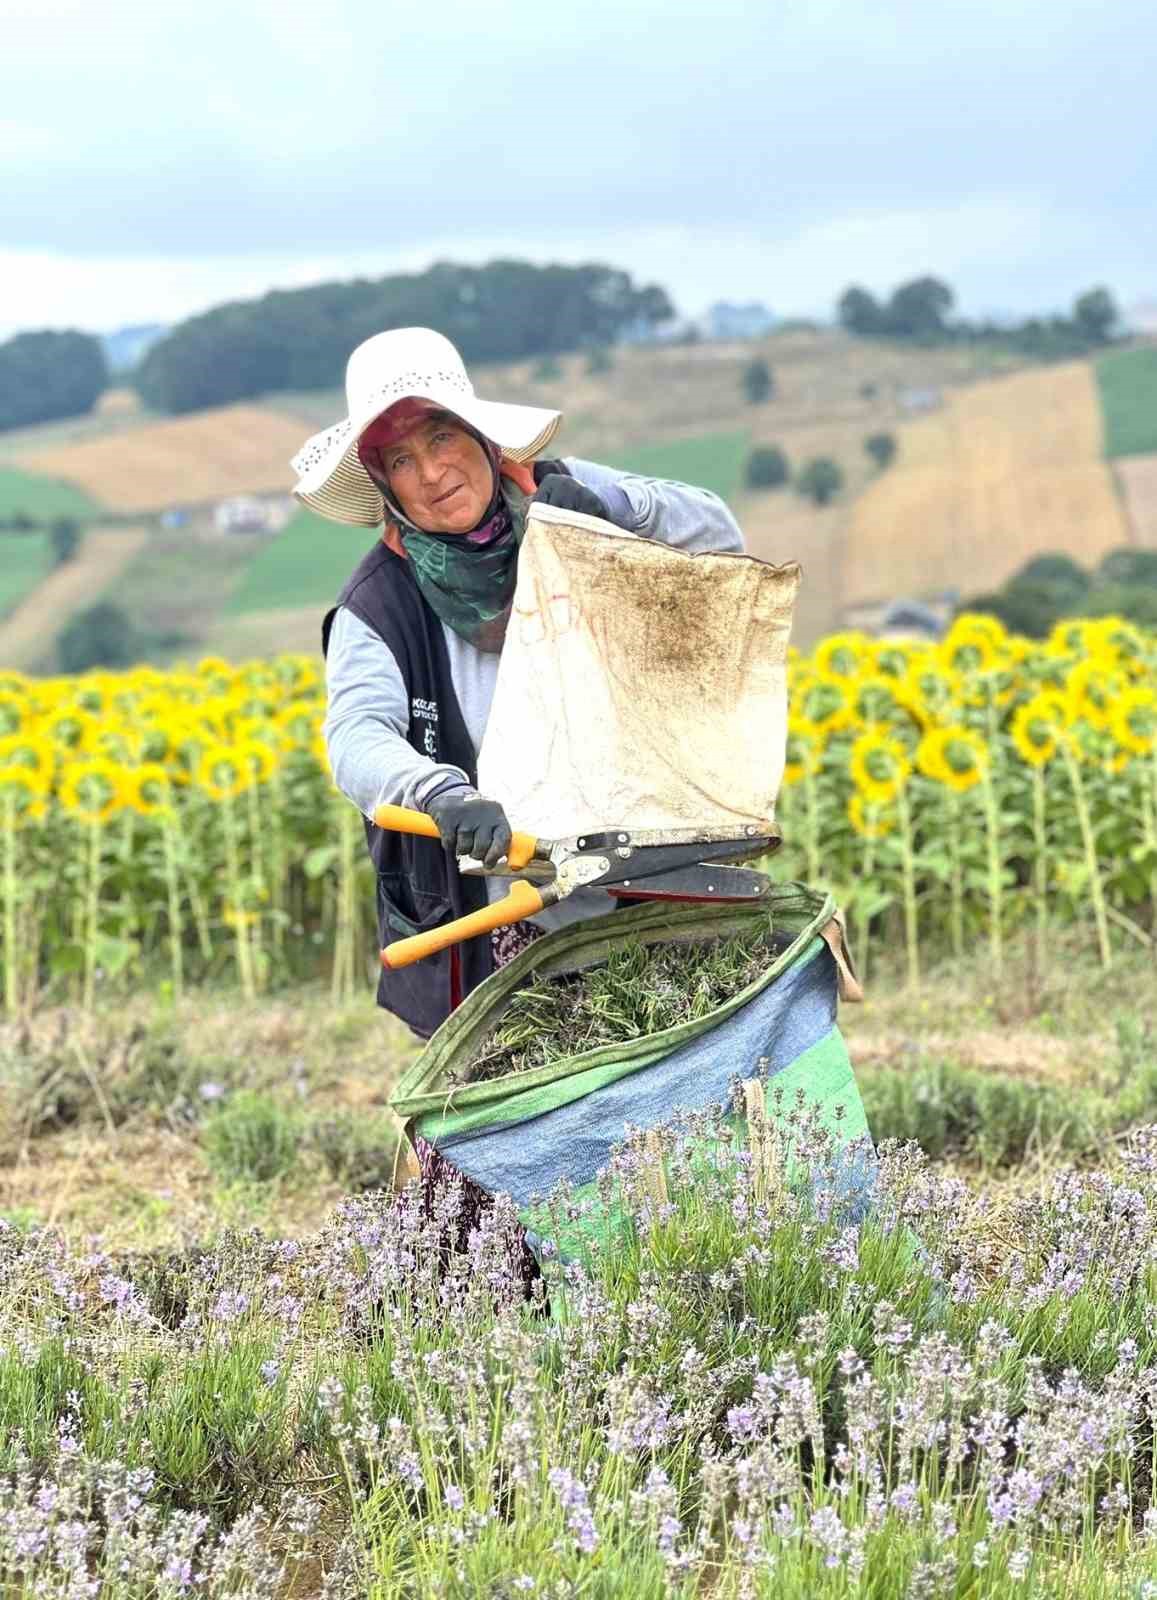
x: 102, y: 636
x: 358, y: 1151
x: 1129, y: 566
x: 65, y: 537
x: 882, y: 448
x: 758, y: 383
x: 601, y: 359
x: 820, y: 480
x: 251, y: 1138
x: 48, y: 375
x: 546, y: 370
x: 767, y: 468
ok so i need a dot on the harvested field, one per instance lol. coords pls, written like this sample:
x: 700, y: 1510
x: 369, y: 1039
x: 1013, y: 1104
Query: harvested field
x: 1004, y: 472
x: 180, y: 461
x: 27, y: 636
x: 1137, y: 476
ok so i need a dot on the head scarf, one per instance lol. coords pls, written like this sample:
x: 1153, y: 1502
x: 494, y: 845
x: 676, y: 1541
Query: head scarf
x: 467, y: 579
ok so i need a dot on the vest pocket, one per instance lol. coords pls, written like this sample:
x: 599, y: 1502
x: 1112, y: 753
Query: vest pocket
x: 404, y: 910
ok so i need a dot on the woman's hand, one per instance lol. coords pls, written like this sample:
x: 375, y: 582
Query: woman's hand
x: 559, y: 489
x: 471, y: 825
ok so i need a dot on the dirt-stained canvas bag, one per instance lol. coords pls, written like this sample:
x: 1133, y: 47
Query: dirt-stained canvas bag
x: 639, y: 687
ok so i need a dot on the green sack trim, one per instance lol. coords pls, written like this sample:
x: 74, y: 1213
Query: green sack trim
x: 422, y: 1091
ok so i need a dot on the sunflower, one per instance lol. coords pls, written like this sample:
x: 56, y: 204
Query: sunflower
x: 14, y: 708
x: 825, y: 703
x: 878, y: 700
x: 974, y: 643
x: 70, y: 727
x: 223, y: 771
x: 93, y: 789
x: 1133, y: 719
x: 879, y: 766
x: 930, y: 690
x: 954, y: 756
x: 261, y: 760
x: 892, y: 660
x: 297, y: 723
x: 842, y: 655
x: 870, y: 821
x: 148, y: 789
x: 804, y: 750
x: 1037, y: 727
x: 320, y: 754
x: 22, y: 791
x: 30, y: 750
x: 1092, y: 688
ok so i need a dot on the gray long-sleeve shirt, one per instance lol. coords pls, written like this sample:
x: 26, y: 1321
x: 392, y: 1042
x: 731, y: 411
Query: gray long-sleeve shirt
x: 368, y: 711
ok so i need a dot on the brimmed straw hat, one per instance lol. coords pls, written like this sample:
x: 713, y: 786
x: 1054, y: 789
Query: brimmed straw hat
x: 402, y: 364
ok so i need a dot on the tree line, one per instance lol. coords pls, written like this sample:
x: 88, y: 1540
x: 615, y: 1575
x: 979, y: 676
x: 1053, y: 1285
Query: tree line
x: 1051, y: 587
x: 48, y: 375
x: 301, y: 338
x: 919, y: 312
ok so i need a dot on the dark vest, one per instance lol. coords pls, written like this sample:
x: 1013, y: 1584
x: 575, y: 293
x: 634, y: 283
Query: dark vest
x: 419, y: 885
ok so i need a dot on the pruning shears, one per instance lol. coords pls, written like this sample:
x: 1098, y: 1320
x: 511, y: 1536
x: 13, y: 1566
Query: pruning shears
x: 656, y: 865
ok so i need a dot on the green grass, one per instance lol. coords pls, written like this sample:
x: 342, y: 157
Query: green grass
x: 41, y: 497
x: 24, y: 560
x: 306, y: 564
x: 708, y: 460
x: 1128, y: 383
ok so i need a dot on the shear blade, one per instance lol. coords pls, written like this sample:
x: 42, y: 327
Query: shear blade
x: 699, y: 882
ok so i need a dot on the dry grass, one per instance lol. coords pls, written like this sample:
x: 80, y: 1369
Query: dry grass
x: 27, y: 636
x: 1137, y: 476
x: 1004, y: 472
x: 179, y: 461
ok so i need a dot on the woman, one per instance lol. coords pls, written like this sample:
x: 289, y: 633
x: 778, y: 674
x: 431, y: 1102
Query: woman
x: 412, y: 645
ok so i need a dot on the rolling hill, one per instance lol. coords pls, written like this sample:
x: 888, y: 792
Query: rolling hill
x: 1003, y: 464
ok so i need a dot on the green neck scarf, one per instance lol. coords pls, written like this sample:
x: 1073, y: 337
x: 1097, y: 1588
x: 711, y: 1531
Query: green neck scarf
x: 470, y: 585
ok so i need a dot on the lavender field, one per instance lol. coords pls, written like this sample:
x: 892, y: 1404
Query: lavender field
x: 238, y: 1396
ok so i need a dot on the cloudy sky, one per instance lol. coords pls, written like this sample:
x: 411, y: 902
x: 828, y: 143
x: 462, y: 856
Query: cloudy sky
x: 159, y: 156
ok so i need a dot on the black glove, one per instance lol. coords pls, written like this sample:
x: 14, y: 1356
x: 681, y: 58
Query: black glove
x: 559, y: 489
x: 470, y: 825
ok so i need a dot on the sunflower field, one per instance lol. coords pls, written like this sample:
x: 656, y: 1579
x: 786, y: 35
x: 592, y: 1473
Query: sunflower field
x: 182, y: 826
x: 958, y: 792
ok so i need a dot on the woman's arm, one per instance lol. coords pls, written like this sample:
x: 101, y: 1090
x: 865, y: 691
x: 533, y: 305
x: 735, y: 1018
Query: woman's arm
x: 659, y: 508
x: 366, y: 722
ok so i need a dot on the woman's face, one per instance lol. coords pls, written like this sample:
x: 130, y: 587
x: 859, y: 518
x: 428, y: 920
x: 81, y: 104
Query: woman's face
x: 440, y: 476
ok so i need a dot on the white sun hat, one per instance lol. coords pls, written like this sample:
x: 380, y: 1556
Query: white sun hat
x: 403, y: 364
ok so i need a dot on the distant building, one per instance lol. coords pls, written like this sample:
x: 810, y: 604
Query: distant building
x: 912, y: 619
x: 1141, y: 319
x: 917, y: 400
x: 245, y: 513
x: 725, y: 320
x: 643, y: 331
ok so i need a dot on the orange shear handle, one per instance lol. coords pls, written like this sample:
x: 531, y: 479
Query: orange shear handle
x: 523, y: 900
x: 400, y: 819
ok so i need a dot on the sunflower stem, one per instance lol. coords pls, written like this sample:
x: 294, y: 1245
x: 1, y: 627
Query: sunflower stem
x: 11, y: 983
x: 1040, y: 861
x: 956, y: 914
x: 344, y: 955
x: 173, y: 890
x: 257, y: 874
x: 995, y: 869
x: 812, y: 829
x: 908, y: 861
x: 1096, y: 887
x: 92, y: 911
x: 233, y: 901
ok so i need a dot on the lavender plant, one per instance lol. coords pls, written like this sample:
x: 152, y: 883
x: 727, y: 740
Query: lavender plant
x: 752, y: 1394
